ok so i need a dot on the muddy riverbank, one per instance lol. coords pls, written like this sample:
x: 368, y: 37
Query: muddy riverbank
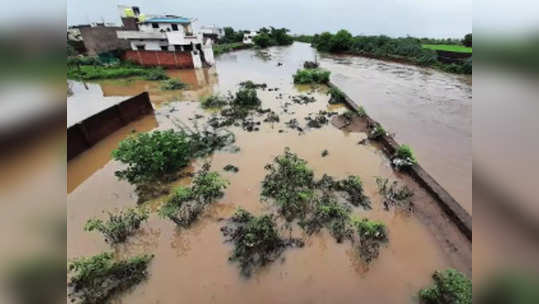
x: 191, y: 265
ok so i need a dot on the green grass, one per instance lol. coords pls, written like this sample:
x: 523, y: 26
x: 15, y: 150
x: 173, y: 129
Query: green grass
x: 219, y: 49
x: 448, y: 47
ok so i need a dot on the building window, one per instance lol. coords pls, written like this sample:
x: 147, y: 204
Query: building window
x: 155, y: 25
x: 164, y: 48
x: 174, y: 27
x: 140, y: 47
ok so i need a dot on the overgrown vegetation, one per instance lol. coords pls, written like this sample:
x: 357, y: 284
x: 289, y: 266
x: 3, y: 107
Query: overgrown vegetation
x: 95, y: 279
x: 408, y: 49
x: 172, y: 84
x: 450, y: 287
x: 336, y: 96
x: 93, y: 68
x: 353, y: 187
x: 311, y: 76
x: 448, y: 47
x: 394, y: 195
x: 256, y: 240
x: 246, y: 97
x: 119, y: 226
x: 327, y: 212
x: 213, y: 101
x: 186, y: 204
x: 219, y: 49
x: 310, y: 65
x: 404, y: 157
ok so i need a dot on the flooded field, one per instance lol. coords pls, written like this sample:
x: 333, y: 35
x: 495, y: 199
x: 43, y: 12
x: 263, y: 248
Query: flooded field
x: 191, y: 265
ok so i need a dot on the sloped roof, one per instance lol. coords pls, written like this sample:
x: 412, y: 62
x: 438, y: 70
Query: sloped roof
x: 167, y: 20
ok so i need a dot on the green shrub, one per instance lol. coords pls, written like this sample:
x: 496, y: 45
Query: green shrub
x: 119, y: 226
x: 213, y: 101
x: 246, y: 97
x: 256, y: 241
x: 186, y: 204
x: 341, y: 42
x: 172, y: 84
x: 393, y: 195
x: 96, y: 279
x: 405, y: 152
x: 307, y: 76
x: 93, y: 72
x: 354, y: 188
x: 377, y: 132
x: 371, y: 235
x: 336, y: 96
x: 330, y: 214
x: 160, y: 154
x: 149, y: 156
x: 450, y: 287
x: 289, y: 181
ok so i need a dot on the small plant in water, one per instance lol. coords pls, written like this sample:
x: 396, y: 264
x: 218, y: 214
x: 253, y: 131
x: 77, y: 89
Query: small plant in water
x: 231, y: 168
x: 330, y: 214
x: 450, y: 287
x: 213, y: 101
x: 95, y: 279
x: 251, y: 85
x: 256, y: 240
x: 325, y: 153
x: 186, y: 204
x: 371, y: 235
x: 393, y: 195
x: 354, y: 188
x: 404, y: 157
x: 172, y: 84
x: 246, y: 98
x: 377, y: 132
x: 119, y: 226
x: 336, y: 96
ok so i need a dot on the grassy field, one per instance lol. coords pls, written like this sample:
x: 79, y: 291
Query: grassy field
x: 448, y: 47
x: 219, y: 49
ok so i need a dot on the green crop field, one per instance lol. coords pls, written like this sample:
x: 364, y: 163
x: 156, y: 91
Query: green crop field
x: 448, y: 47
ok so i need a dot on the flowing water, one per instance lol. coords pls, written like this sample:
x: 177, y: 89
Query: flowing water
x: 191, y: 266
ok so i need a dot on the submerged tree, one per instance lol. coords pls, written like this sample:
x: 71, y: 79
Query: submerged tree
x: 450, y: 287
x: 119, y: 226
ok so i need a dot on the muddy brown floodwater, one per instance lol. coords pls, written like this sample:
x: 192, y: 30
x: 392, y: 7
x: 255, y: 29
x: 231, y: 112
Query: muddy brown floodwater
x: 191, y: 265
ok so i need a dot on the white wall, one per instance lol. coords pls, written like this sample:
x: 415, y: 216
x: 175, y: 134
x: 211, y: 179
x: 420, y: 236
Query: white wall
x: 151, y: 45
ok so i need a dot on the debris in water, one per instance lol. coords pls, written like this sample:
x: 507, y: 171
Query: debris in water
x: 310, y: 65
x: 231, y: 168
x: 393, y: 195
x: 251, y: 85
x: 325, y: 153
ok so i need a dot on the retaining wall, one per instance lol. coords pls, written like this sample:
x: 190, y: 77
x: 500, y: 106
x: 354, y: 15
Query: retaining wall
x: 166, y: 59
x: 451, y: 207
x: 86, y: 133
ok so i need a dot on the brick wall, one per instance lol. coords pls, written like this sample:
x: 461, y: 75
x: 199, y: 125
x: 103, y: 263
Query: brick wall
x: 182, y: 60
x: 100, y: 39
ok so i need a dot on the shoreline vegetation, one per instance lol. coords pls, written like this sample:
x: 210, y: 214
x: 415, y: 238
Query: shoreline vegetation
x: 411, y: 50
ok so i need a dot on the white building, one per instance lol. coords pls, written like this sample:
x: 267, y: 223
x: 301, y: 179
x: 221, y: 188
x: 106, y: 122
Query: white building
x: 168, y: 33
x: 212, y: 32
x: 248, y: 37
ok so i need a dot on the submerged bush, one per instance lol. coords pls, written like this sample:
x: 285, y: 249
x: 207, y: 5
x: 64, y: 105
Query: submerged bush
x: 155, y: 74
x: 336, y: 96
x: 393, y: 195
x: 309, y: 76
x: 119, y: 226
x: 371, y: 235
x: 450, y: 287
x: 172, y: 84
x: 246, y: 97
x: 256, y: 240
x: 213, y: 101
x: 95, y: 279
x: 310, y: 65
x: 186, y: 204
x: 330, y: 214
x: 377, y: 132
x: 354, y: 188
x: 251, y: 85
x: 289, y: 181
x: 152, y: 156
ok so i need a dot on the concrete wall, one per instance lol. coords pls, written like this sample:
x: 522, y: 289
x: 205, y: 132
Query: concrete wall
x: 182, y: 60
x: 86, y: 133
x: 100, y: 39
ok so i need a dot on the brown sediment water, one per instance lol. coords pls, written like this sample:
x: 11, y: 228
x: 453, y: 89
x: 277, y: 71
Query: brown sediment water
x: 191, y: 265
